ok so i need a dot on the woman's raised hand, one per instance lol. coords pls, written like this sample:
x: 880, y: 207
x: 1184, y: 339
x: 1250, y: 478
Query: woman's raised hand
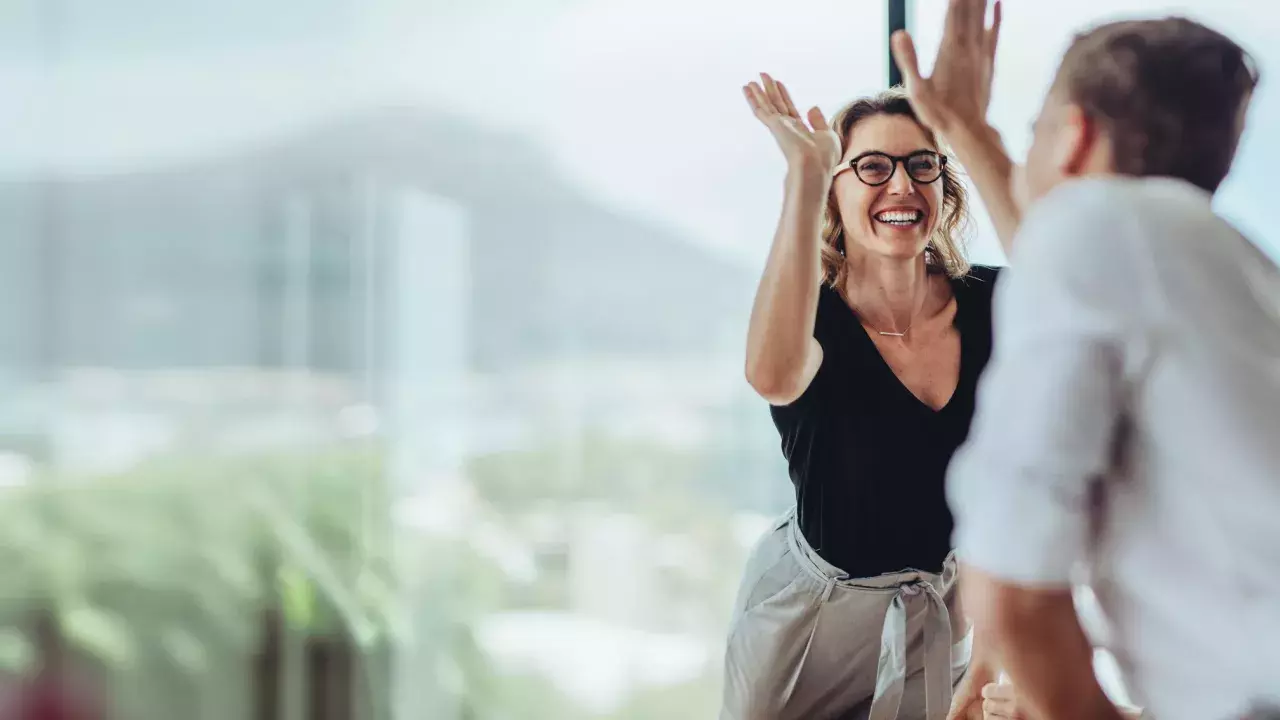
x: 811, y: 147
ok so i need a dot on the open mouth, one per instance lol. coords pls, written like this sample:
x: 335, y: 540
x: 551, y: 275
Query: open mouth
x: 900, y: 218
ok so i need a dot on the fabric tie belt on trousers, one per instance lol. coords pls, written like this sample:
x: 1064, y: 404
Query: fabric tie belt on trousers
x: 891, y: 672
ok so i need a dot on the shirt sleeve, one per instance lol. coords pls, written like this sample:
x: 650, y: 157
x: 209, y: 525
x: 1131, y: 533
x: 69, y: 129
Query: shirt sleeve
x: 1069, y: 323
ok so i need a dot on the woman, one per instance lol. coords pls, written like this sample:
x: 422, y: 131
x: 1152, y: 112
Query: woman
x: 867, y: 336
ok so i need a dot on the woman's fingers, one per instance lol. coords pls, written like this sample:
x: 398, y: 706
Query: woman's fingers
x: 773, y: 93
x: 997, y: 691
x: 997, y: 708
x: 1001, y: 710
x: 759, y: 102
x: 817, y: 121
x: 1000, y: 701
x: 771, y: 103
x: 786, y: 99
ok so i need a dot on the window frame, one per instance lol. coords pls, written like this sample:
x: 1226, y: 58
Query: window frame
x: 899, y: 14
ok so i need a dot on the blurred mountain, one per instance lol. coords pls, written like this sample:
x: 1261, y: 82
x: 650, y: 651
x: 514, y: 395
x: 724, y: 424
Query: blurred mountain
x: 211, y: 263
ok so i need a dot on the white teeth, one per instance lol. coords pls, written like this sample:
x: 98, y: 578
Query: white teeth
x: 899, y: 217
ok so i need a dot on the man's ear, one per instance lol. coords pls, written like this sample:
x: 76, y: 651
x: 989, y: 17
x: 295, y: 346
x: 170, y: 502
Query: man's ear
x: 1077, y: 142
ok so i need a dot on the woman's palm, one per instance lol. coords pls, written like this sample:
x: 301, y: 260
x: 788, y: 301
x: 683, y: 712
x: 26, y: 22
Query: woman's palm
x: 813, y: 144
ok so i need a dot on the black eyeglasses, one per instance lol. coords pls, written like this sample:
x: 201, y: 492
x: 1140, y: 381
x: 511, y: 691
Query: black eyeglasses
x: 877, y: 168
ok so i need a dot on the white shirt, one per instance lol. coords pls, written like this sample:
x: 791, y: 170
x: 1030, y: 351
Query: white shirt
x: 1129, y: 424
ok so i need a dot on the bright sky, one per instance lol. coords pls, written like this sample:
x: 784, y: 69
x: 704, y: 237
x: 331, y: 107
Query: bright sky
x: 637, y: 101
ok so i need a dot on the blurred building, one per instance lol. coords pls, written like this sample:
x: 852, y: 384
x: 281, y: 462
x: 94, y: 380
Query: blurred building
x: 395, y: 252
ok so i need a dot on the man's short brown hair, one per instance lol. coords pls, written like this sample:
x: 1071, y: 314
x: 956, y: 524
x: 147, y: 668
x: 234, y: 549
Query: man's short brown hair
x: 1170, y: 94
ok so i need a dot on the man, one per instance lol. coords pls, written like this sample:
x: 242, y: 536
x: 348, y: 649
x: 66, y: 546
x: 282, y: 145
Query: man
x: 1129, y: 423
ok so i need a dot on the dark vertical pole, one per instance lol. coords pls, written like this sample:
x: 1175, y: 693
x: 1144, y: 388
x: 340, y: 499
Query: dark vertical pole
x: 265, y: 677
x: 899, y: 19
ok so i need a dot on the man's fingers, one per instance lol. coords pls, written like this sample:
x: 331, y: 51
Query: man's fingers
x: 951, y: 23
x: 919, y: 89
x: 967, y: 693
x: 904, y: 53
x: 978, y: 20
x: 993, y: 33
x: 959, y: 26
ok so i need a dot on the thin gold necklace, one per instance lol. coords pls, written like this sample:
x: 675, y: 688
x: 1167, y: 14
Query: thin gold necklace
x: 892, y: 334
x: 862, y: 316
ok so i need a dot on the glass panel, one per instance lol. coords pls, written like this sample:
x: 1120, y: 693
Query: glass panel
x: 384, y: 356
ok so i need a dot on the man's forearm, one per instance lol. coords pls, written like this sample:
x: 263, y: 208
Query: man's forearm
x: 982, y: 153
x: 1045, y: 652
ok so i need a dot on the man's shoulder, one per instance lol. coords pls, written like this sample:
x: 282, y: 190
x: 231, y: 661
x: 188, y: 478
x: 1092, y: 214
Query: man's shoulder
x: 1095, y: 220
x: 1085, y: 200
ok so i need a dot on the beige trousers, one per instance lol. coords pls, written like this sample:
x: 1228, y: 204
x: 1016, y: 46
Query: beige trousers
x: 808, y: 642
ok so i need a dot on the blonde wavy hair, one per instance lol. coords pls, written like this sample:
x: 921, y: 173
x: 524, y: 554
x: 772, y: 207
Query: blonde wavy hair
x: 946, y: 249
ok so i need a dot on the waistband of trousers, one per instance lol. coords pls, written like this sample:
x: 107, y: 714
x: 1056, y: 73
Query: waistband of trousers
x: 821, y: 570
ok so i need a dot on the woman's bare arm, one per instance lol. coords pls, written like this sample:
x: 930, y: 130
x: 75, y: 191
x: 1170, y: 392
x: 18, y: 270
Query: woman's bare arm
x: 782, y: 355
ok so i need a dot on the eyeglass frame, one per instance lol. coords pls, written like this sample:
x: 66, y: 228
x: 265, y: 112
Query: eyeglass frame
x: 895, y: 160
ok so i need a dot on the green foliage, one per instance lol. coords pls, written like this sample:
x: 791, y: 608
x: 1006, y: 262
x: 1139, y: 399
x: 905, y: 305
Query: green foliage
x: 186, y: 551
x: 163, y: 572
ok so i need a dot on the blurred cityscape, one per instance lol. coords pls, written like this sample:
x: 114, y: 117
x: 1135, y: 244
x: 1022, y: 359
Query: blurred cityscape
x: 552, y: 388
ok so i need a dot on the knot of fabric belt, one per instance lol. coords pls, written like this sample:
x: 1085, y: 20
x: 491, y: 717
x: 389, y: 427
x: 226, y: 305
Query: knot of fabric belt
x: 891, y: 674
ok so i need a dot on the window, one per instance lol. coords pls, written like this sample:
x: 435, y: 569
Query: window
x: 393, y: 348
x: 617, y: 468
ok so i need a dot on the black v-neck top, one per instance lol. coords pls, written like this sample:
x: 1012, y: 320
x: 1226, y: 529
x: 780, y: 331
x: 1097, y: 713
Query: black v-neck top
x: 867, y: 457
